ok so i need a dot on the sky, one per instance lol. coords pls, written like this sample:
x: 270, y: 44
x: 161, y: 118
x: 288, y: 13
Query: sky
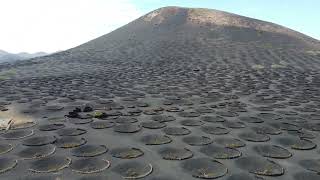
x: 54, y: 25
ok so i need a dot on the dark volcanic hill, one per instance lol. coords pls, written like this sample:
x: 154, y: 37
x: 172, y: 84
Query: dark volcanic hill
x: 174, y: 34
x: 178, y: 93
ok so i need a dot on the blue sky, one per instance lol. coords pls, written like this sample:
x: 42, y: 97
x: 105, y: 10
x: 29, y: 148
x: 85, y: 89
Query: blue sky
x: 52, y: 25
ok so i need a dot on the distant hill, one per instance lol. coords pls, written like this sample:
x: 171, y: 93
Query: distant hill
x: 7, y: 57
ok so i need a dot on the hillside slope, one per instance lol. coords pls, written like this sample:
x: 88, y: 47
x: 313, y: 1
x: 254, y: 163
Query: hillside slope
x: 186, y: 33
x: 177, y: 94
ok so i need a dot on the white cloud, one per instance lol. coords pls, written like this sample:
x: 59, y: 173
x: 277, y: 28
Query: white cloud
x: 51, y: 25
